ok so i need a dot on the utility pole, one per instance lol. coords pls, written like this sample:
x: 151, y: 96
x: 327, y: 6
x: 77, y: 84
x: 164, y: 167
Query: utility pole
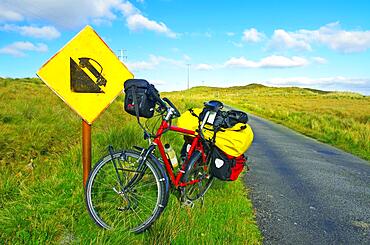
x: 121, y: 56
x: 188, y: 75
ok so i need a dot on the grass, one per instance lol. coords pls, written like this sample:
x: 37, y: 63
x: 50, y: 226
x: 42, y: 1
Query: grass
x: 341, y: 119
x: 41, y: 195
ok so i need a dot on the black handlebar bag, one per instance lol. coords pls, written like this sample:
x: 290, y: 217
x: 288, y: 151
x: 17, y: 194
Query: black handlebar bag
x: 140, y: 98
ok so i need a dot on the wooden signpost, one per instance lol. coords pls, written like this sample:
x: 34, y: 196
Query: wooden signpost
x: 87, y: 76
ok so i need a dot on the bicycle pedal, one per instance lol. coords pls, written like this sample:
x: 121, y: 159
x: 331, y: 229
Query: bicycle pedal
x: 188, y: 203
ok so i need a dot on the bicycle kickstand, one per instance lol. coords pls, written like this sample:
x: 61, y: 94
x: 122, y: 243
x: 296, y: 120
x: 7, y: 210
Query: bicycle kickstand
x: 201, y: 199
x: 187, y: 203
x: 183, y: 200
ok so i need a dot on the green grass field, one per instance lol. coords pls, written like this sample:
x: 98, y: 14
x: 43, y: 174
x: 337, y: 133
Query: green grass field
x: 41, y: 195
x: 339, y: 119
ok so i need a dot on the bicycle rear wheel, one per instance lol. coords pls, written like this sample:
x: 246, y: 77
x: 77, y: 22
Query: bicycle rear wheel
x: 133, y: 204
x: 197, y: 171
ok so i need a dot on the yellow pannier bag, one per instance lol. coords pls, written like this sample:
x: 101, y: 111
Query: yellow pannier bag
x: 233, y: 141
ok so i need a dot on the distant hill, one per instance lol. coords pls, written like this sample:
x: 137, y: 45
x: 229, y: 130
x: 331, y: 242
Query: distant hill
x: 255, y: 87
x: 263, y: 89
x: 34, y: 80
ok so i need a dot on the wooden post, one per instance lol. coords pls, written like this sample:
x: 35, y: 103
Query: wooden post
x: 86, y: 150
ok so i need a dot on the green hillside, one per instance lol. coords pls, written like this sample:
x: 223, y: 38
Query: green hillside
x: 40, y: 161
x: 341, y: 119
x: 41, y: 195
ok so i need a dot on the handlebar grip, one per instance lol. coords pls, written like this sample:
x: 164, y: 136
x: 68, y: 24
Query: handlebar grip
x: 161, y: 102
x: 155, y: 94
x: 177, y: 113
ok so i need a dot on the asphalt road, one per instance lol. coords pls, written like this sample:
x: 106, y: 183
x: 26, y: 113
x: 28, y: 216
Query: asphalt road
x: 306, y: 192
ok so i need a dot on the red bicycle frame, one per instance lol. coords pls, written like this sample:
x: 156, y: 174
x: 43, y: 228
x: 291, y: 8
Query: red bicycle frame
x: 196, y: 145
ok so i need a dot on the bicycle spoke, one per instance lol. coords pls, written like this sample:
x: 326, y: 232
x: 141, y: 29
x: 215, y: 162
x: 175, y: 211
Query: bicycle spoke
x: 133, y: 206
x: 198, y: 175
x: 142, y: 204
x: 137, y: 215
x: 145, y: 185
x: 147, y: 198
x: 103, y: 185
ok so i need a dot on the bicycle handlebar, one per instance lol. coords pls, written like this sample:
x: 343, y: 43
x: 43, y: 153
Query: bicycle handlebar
x: 176, y: 111
x: 162, y: 103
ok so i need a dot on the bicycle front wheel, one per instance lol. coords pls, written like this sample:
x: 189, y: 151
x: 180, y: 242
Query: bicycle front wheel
x: 118, y: 194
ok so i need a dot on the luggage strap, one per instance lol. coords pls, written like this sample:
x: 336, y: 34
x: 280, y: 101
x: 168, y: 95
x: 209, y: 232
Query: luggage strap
x: 235, y: 130
x: 193, y: 113
x: 136, y: 106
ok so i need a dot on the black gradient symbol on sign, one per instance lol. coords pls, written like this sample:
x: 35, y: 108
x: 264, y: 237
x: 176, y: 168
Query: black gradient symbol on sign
x: 81, y: 82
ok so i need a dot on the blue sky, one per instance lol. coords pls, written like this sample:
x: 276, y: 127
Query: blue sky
x: 317, y: 44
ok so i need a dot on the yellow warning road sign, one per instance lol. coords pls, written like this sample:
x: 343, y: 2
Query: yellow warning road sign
x: 85, y: 74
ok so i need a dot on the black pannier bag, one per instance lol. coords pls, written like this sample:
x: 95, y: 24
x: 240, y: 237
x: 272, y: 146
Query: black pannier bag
x: 140, y: 98
x: 226, y: 119
x: 233, y: 117
x: 225, y: 167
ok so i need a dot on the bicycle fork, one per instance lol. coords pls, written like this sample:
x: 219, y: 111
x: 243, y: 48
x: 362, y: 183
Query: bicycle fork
x: 139, y: 172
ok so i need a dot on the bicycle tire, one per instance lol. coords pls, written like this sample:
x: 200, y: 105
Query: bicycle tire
x: 197, y: 169
x: 127, y: 209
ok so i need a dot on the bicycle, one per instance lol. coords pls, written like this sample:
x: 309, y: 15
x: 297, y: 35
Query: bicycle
x: 130, y: 188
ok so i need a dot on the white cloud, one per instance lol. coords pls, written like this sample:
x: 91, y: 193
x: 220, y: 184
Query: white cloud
x: 67, y: 13
x: 9, y: 15
x: 17, y: 48
x: 238, y: 45
x: 45, y: 32
x: 208, y: 34
x: 127, y: 8
x: 137, y: 21
x: 339, y: 83
x: 153, y: 62
x: 162, y: 59
x: 158, y: 82
x: 175, y: 50
x: 330, y: 35
x: 273, y: 61
x: 186, y: 57
x: 340, y: 40
x: 320, y: 60
x: 140, y: 65
x: 252, y: 35
x: 204, y: 67
x: 287, y: 40
x: 72, y: 14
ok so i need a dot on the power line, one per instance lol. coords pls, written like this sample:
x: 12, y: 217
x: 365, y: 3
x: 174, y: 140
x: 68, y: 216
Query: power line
x: 121, y: 55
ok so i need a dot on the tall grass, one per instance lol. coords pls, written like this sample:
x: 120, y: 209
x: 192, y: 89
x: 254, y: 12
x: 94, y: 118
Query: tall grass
x: 41, y: 195
x: 340, y: 119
